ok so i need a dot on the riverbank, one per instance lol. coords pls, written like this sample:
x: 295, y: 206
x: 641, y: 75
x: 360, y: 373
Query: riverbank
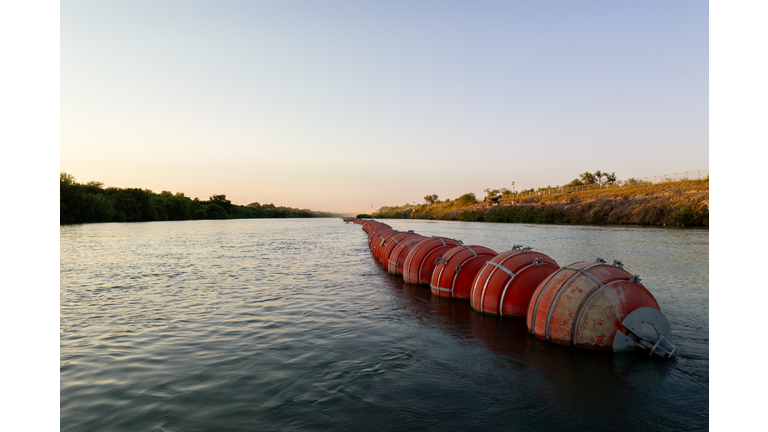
x: 93, y: 203
x: 683, y: 203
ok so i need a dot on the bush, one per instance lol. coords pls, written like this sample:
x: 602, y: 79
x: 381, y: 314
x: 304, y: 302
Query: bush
x: 467, y: 198
x: 690, y: 215
x: 528, y: 214
x: 471, y: 216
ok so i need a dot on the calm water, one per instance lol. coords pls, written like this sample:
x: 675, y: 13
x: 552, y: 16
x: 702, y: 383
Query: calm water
x: 279, y: 325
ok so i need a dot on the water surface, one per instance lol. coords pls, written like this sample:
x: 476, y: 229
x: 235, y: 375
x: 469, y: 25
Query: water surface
x: 290, y: 325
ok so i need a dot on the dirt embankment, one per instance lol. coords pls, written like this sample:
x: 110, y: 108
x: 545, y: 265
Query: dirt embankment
x: 684, y: 203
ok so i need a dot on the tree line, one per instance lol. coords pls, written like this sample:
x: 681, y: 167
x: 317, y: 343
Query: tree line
x: 586, y: 178
x: 92, y: 202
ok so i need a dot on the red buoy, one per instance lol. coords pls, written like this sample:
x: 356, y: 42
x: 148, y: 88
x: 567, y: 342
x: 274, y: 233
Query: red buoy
x: 397, y: 258
x: 505, y: 284
x: 376, y: 236
x: 456, y: 270
x: 420, y: 261
x: 389, y: 245
x: 585, y: 304
x: 379, y: 243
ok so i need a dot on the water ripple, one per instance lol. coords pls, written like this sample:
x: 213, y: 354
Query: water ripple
x: 280, y: 325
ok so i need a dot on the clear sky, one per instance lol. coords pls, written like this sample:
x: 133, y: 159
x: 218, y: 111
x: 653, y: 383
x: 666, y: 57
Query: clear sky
x: 340, y: 105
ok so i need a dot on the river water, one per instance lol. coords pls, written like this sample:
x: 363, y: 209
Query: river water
x: 281, y: 325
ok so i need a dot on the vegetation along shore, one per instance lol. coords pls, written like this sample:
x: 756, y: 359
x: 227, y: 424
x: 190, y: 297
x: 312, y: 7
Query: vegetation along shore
x: 673, y: 203
x: 92, y: 202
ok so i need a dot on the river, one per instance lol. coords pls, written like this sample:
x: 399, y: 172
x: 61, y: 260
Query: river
x: 289, y: 324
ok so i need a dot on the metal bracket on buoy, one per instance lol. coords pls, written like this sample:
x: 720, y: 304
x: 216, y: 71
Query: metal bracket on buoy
x: 538, y: 261
x: 527, y: 249
x: 617, y: 263
x: 634, y: 279
x: 647, y: 329
x: 517, y: 247
x: 460, y: 242
x: 439, y: 260
x: 600, y: 261
x: 410, y: 231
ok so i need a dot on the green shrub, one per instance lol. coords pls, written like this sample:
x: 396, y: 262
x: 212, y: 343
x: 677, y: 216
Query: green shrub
x: 689, y: 215
x: 467, y: 198
x: 471, y: 216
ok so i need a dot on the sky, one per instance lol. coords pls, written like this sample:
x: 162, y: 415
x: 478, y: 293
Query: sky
x: 343, y: 105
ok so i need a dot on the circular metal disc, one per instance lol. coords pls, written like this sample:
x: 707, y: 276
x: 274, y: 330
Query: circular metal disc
x: 648, y: 322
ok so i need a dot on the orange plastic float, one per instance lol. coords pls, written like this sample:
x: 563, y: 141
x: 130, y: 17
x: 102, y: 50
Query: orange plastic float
x: 390, y: 244
x: 456, y: 270
x: 420, y: 261
x: 397, y: 258
x: 505, y: 284
x: 378, y: 244
x: 598, y: 306
x: 375, y: 237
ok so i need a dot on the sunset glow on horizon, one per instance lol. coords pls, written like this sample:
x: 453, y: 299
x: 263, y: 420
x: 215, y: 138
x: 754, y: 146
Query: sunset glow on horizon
x: 338, y: 106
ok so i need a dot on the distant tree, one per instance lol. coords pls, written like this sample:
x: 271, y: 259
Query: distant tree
x: 467, y: 198
x: 505, y: 193
x: 491, y: 193
x: 431, y: 199
x: 588, y: 178
x: 132, y: 204
x: 215, y: 211
x: 166, y: 194
x: 222, y: 201
x: 67, y: 179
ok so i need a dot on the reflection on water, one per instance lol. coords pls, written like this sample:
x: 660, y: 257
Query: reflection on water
x: 291, y: 325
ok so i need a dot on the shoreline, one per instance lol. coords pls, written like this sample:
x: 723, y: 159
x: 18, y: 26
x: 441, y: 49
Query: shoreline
x: 682, y: 204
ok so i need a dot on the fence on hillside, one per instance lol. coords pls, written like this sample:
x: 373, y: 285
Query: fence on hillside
x: 640, y: 181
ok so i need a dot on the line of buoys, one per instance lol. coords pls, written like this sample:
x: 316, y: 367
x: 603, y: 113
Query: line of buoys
x: 592, y: 305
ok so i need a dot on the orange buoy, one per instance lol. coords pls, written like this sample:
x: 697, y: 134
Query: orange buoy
x: 505, y: 284
x: 389, y: 245
x: 456, y: 270
x: 396, y: 259
x: 420, y: 261
x: 597, y: 305
x: 378, y: 244
x: 376, y: 236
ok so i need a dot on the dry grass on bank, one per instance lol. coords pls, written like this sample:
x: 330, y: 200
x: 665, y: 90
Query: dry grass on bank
x: 684, y: 203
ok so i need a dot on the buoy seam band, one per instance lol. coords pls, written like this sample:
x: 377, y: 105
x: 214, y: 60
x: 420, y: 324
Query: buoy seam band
x: 538, y: 301
x: 554, y: 302
x: 502, y: 268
